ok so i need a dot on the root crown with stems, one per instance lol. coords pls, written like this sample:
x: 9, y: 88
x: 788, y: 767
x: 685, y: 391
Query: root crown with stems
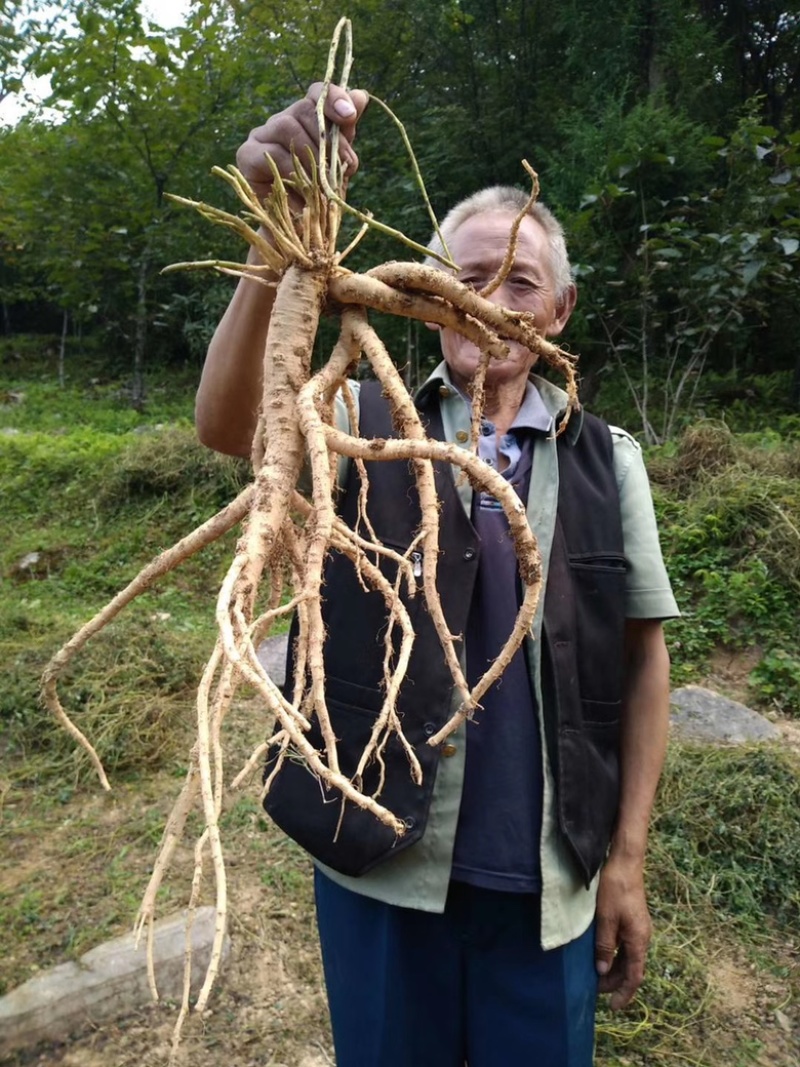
x: 285, y: 539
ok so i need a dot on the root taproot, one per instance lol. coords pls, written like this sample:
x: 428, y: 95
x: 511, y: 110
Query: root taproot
x: 286, y: 538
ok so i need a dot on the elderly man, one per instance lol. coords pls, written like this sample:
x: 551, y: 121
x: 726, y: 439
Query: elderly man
x: 519, y: 888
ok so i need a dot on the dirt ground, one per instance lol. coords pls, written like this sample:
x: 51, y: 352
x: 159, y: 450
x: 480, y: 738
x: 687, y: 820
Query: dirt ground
x: 269, y: 1006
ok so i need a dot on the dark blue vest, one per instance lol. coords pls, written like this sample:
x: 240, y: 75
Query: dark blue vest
x: 582, y: 656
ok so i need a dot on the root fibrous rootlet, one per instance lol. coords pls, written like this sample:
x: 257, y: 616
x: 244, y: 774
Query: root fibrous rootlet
x: 286, y: 538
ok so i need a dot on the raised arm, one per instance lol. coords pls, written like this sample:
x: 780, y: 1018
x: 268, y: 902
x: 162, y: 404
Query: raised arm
x: 226, y: 410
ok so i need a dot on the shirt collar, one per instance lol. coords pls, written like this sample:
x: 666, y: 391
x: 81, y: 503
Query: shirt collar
x: 544, y: 403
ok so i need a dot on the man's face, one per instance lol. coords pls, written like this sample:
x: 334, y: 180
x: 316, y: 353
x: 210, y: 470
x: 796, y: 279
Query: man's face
x: 479, y: 246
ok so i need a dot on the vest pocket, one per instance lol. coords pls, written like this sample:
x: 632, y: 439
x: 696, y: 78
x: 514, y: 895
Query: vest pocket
x: 599, y: 582
x: 601, y: 713
x: 351, y: 840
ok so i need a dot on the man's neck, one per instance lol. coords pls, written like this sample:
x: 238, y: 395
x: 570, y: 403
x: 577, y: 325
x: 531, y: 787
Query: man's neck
x: 502, y: 404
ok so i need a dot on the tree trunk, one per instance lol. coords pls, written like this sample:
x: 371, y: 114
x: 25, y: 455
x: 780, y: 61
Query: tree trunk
x: 62, y: 348
x: 140, y: 338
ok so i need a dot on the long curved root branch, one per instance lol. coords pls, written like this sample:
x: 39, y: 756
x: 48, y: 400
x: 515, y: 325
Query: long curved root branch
x: 214, y: 528
x: 286, y: 537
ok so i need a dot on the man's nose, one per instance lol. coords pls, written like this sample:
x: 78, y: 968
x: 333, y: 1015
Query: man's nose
x: 501, y: 295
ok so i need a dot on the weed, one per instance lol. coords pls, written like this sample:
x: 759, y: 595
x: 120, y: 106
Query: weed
x: 729, y: 513
x: 776, y: 679
x: 724, y: 856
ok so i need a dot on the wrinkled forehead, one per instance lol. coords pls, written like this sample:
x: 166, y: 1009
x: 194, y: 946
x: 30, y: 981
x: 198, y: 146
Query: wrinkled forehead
x: 483, y: 239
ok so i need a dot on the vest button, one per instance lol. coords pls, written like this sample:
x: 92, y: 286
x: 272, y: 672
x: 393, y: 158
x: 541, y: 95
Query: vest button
x: 449, y: 749
x: 462, y: 436
x: 409, y: 822
x: 429, y: 729
x: 469, y: 553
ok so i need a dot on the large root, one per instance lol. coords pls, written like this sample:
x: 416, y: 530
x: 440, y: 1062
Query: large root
x: 285, y: 535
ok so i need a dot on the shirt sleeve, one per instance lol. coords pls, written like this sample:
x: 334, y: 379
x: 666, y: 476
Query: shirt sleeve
x: 648, y: 593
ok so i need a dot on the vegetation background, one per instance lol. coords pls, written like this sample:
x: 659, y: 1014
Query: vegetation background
x: 666, y: 136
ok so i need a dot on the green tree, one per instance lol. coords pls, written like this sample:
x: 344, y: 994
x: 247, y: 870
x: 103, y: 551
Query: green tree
x: 690, y: 275
x: 142, y: 108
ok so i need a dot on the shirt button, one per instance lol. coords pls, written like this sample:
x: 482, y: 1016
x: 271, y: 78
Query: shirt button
x: 462, y: 436
x: 445, y: 391
x: 469, y: 553
x: 449, y: 749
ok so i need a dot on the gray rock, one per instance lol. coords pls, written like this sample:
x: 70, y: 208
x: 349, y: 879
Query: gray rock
x: 699, y: 714
x: 272, y: 657
x: 106, y: 983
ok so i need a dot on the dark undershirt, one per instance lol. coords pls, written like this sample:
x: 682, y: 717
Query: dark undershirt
x: 497, y: 839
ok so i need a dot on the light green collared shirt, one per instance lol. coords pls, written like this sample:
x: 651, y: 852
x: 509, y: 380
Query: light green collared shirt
x: 418, y: 877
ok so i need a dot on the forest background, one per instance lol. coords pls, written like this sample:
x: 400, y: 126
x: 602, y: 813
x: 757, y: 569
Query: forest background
x: 667, y: 137
x: 664, y: 131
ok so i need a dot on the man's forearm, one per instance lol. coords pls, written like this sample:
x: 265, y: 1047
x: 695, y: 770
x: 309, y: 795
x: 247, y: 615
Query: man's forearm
x: 226, y: 409
x: 623, y: 925
x: 643, y: 741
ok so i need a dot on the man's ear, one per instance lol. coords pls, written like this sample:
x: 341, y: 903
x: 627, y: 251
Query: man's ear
x: 564, y: 308
x: 433, y: 326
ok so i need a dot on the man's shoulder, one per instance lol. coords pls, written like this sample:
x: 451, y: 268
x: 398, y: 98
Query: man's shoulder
x: 624, y: 451
x: 620, y: 436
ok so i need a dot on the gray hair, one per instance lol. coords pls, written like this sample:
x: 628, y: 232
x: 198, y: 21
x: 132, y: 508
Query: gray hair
x: 513, y: 200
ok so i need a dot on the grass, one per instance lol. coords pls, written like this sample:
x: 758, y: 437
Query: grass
x: 86, y: 509
x: 91, y: 492
x: 729, y: 517
x: 724, y: 882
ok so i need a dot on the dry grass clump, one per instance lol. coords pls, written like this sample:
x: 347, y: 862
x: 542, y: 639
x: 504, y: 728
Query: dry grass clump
x: 705, y: 448
x: 761, y: 511
x: 134, y: 693
x: 744, y: 493
x: 725, y: 843
x: 724, y: 856
x: 170, y: 460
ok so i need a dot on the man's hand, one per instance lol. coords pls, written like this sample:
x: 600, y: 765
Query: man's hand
x: 623, y: 930
x: 296, y: 129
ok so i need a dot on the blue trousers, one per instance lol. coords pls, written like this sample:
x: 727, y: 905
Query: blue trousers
x: 472, y: 986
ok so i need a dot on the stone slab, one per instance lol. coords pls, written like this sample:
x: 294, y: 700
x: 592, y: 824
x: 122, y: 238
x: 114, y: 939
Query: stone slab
x: 699, y: 714
x: 105, y: 984
x: 272, y: 657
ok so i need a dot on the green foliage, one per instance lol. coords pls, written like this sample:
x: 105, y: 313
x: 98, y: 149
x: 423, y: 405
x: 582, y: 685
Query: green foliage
x: 170, y: 463
x: 701, y: 255
x: 143, y: 109
x: 723, y: 876
x: 84, y: 510
x: 776, y: 679
x: 729, y: 514
x: 130, y: 692
x: 725, y: 834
